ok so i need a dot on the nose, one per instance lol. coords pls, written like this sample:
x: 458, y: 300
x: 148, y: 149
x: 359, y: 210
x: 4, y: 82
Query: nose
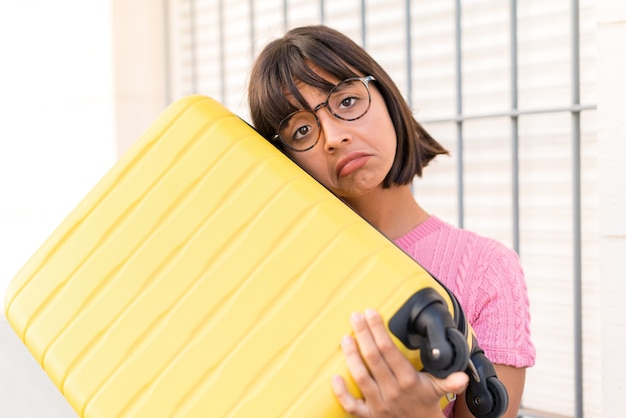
x: 333, y: 130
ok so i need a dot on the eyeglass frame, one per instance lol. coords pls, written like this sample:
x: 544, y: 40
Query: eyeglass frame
x: 365, y: 80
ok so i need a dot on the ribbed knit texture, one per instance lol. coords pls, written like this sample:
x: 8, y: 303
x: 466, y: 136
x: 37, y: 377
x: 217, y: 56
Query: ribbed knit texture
x: 488, y: 281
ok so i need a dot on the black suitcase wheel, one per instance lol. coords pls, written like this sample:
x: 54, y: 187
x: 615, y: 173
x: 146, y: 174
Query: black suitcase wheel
x: 486, y: 396
x: 493, y: 405
x: 447, y: 357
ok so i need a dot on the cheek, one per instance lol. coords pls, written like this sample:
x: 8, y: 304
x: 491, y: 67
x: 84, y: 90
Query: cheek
x: 386, y: 135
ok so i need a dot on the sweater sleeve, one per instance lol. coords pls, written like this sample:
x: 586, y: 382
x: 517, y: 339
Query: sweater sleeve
x: 501, y: 315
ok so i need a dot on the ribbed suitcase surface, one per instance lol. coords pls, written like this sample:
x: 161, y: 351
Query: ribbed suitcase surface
x: 205, y: 275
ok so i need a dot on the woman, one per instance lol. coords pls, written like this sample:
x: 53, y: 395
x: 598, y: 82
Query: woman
x: 331, y: 108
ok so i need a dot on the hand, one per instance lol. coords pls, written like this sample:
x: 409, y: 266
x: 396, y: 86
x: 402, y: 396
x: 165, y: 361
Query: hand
x: 390, y: 385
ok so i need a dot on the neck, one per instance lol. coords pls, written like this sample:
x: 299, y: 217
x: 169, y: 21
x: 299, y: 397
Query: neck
x: 393, y: 211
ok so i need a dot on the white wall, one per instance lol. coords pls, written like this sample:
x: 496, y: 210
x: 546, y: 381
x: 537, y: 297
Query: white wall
x: 57, y: 121
x: 56, y: 140
x: 612, y: 184
x: 139, y: 67
x: 75, y: 94
x: 79, y: 81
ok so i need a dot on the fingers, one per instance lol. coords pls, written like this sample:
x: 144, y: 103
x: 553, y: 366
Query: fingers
x: 348, y: 402
x: 394, y: 361
x: 376, y: 365
x: 375, y: 345
x: 455, y: 383
x: 358, y: 367
x: 386, y: 361
x: 389, y: 384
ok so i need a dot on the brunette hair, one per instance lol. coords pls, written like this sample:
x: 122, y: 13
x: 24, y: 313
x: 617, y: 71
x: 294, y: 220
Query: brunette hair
x: 289, y: 59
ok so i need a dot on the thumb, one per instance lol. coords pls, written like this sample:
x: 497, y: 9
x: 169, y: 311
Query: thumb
x: 454, y: 383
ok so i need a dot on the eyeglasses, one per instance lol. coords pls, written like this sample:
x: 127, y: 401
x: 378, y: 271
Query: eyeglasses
x: 349, y: 100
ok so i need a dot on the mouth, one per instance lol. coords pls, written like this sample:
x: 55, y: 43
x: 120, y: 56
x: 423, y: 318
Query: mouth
x: 350, y: 163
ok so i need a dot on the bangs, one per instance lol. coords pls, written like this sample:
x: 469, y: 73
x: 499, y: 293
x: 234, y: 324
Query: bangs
x: 294, y: 62
x: 315, y: 56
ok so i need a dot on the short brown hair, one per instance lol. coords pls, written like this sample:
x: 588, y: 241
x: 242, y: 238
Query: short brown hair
x: 289, y: 59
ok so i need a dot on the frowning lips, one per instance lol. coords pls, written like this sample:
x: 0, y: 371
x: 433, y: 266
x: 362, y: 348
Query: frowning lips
x: 351, y: 162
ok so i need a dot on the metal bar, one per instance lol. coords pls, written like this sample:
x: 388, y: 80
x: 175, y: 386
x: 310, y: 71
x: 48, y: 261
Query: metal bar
x: 576, y: 213
x: 577, y: 241
x: 409, y: 63
x: 460, y: 118
x: 322, y: 11
x: 514, y: 129
x: 459, y: 113
x: 363, y: 24
x: 285, y: 15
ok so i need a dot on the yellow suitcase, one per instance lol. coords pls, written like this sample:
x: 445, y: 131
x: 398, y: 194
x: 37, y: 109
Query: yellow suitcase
x: 206, y: 275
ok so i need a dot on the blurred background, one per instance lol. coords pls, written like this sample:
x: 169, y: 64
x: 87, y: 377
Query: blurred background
x: 527, y: 95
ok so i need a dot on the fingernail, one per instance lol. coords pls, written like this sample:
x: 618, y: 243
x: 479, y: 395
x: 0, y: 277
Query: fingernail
x: 370, y: 313
x: 356, y: 317
x: 346, y: 340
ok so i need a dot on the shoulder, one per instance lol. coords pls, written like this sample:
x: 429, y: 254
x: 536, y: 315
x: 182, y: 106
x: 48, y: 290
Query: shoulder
x: 487, y: 269
x: 447, y: 250
x: 478, y: 245
x: 487, y: 278
x: 494, y: 295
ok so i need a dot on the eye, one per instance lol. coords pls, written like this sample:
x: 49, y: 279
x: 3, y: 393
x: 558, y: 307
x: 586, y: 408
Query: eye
x: 299, y: 130
x: 347, y: 96
x: 347, y: 102
x: 301, y: 133
x: 299, y: 127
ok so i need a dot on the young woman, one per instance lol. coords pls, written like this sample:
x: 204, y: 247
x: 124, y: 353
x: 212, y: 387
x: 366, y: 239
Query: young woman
x: 331, y: 108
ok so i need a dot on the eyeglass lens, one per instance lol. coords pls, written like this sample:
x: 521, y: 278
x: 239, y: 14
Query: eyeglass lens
x: 348, y: 100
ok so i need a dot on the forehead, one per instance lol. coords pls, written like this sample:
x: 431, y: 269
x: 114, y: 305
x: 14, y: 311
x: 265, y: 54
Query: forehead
x: 294, y: 76
x: 313, y: 95
x: 315, y: 89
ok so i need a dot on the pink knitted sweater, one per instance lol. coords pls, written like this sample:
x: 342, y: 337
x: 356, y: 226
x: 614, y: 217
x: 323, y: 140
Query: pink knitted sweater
x: 487, y: 279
